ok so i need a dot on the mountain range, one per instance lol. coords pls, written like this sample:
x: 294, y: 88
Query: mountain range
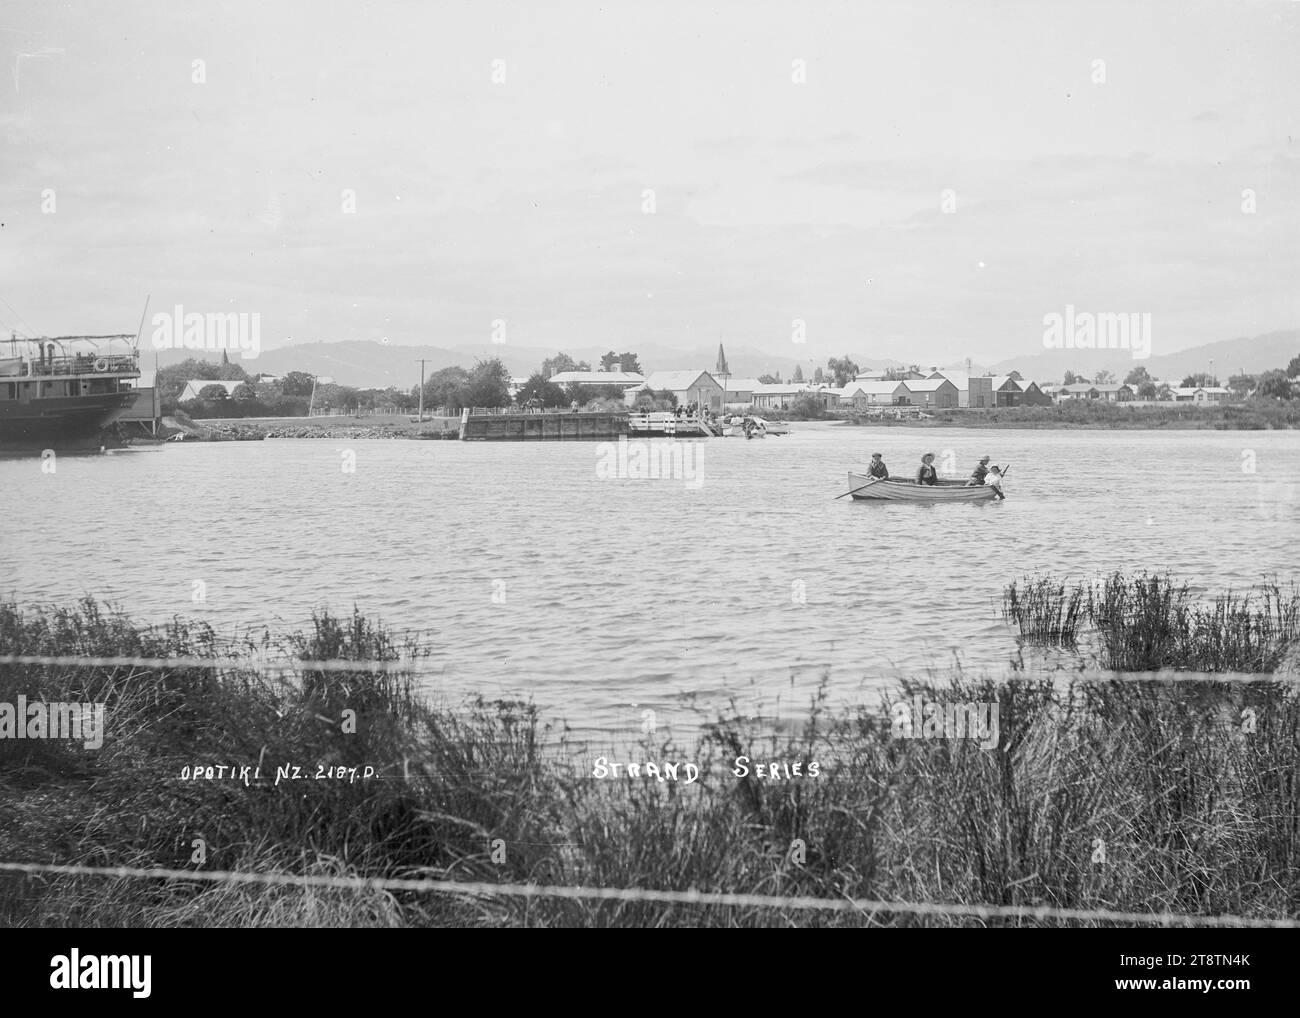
x: 368, y: 364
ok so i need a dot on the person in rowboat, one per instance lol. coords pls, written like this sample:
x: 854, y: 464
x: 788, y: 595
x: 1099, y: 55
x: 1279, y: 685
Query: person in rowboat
x: 978, y: 474
x: 994, y: 480
x: 926, y: 474
x: 878, y: 468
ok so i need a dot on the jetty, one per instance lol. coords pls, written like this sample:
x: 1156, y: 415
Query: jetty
x: 493, y: 425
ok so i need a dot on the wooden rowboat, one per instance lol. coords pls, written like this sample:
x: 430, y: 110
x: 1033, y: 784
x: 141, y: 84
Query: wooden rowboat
x: 871, y: 489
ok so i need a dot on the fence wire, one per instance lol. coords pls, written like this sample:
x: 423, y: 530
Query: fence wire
x: 718, y: 899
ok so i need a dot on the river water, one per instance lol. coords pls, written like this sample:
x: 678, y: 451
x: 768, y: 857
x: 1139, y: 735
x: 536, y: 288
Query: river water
x: 536, y: 574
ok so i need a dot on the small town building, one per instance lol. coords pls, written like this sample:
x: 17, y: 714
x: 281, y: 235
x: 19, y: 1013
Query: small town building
x: 1106, y: 393
x: 862, y: 395
x: 783, y: 395
x: 740, y: 391
x: 934, y: 393
x: 1114, y: 393
x: 1201, y: 394
x: 196, y: 385
x: 623, y: 379
x: 973, y: 392
x: 690, y: 387
x: 1031, y: 394
x: 961, y: 379
x: 1005, y: 391
x: 979, y: 392
x: 1076, y: 390
x: 827, y: 396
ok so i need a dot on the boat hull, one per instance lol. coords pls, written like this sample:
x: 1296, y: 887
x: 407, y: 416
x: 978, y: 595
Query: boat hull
x: 868, y: 489
x: 59, y: 422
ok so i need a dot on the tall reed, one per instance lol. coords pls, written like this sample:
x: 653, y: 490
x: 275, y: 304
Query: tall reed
x: 1148, y: 622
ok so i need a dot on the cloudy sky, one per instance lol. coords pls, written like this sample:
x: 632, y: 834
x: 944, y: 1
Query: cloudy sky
x: 1114, y: 186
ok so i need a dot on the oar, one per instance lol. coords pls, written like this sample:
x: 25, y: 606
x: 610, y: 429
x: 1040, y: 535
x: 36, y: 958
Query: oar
x: 856, y: 490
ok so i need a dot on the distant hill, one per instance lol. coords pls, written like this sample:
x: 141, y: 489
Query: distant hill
x: 1230, y: 356
x: 368, y: 364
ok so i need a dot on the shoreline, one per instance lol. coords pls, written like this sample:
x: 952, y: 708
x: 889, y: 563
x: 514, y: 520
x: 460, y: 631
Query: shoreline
x: 1254, y: 415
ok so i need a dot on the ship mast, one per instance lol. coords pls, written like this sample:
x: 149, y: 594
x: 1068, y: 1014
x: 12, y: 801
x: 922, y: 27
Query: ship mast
x: 136, y: 345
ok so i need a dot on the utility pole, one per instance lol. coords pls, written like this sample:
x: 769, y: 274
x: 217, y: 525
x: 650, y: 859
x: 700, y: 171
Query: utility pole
x: 422, y: 390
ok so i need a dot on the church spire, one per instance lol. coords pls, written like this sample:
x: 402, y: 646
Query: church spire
x: 722, y: 362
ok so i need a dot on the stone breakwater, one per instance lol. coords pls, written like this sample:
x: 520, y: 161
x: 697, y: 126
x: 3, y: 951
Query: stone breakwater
x: 220, y: 434
x: 356, y: 432
x: 198, y: 431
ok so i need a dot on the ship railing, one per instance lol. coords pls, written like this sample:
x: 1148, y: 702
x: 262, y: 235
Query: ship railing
x: 81, y: 364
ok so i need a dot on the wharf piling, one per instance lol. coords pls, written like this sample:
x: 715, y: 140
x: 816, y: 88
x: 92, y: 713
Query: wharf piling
x: 601, y: 425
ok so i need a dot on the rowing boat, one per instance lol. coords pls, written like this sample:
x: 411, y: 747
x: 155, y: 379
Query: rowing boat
x: 872, y: 488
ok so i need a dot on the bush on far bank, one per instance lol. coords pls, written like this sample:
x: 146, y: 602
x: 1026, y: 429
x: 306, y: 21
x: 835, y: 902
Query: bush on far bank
x: 1254, y: 413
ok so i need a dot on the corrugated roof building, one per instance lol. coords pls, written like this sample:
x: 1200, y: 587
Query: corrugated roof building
x: 932, y: 392
x: 196, y: 385
x: 690, y: 387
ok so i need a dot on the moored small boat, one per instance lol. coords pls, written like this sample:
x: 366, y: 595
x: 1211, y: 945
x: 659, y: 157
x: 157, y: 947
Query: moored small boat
x: 773, y: 427
x: 865, y: 488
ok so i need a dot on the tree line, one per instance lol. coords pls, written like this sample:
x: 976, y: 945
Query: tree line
x: 1278, y: 383
x: 288, y: 396
x: 486, y: 384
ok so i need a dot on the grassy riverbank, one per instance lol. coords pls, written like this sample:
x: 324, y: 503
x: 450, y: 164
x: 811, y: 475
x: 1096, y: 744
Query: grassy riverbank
x: 1116, y: 795
x: 1252, y: 415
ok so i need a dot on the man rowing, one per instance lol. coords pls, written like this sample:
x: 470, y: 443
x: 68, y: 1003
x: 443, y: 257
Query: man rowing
x: 978, y: 474
x: 878, y: 468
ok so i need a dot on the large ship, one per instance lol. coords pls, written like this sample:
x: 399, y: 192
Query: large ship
x: 64, y: 392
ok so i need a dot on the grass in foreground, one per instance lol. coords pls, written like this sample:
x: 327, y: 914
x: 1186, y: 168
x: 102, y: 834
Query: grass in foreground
x: 1194, y: 809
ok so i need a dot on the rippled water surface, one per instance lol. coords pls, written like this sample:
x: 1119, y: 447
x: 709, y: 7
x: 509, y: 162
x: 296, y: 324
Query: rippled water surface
x: 536, y: 576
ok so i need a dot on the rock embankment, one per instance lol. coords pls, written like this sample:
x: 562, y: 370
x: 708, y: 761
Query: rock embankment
x: 185, y: 429
x: 188, y: 430
x: 355, y: 433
